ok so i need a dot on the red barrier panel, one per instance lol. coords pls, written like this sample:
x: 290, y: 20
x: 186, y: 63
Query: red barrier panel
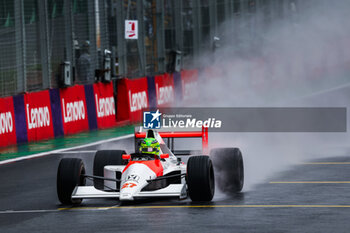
x: 122, y: 101
x: 132, y: 98
x: 38, y: 115
x: 74, y: 111
x: 189, y: 79
x: 7, y: 122
x: 105, y: 105
x: 164, y: 90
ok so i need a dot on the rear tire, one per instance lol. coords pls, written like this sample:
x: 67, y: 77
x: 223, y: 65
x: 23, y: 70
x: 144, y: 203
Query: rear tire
x: 104, y: 158
x: 69, y: 175
x: 200, y: 178
x: 229, y: 164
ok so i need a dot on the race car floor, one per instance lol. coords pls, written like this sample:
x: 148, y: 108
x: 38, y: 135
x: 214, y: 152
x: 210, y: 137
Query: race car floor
x: 309, y: 197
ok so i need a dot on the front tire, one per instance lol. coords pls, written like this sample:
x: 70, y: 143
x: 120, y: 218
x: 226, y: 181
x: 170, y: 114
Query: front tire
x: 70, y: 174
x: 104, y: 158
x: 200, y: 178
x: 229, y: 163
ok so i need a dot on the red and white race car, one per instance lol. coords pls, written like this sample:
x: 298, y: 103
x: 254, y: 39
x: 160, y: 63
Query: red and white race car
x: 127, y: 177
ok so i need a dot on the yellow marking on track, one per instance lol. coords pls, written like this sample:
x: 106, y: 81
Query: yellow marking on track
x: 309, y: 182
x: 327, y: 163
x: 207, y: 206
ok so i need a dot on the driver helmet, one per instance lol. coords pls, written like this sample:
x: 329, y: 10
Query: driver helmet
x: 149, y: 146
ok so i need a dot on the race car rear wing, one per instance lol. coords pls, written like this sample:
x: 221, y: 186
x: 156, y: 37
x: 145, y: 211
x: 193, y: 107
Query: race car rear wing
x: 180, y: 134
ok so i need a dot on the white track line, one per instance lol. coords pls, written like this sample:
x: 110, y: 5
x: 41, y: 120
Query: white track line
x: 79, y: 151
x: 321, y: 92
x: 65, y: 149
x: 26, y: 211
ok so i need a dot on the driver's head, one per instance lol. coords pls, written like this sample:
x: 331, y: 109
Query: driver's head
x: 149, y: 146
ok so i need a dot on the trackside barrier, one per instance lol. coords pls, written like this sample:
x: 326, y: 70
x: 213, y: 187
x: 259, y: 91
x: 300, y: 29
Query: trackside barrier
x: 132, y: 98
x: 177, y: 87
x: 74, y: 109
x: 152, y: 96
x: 165, y: 90
x: 57, y: 112
x: 7, y: 122
x: 20, y: 119
x: 189, y: 83
x: 38, y: 114
x: 105, y: 105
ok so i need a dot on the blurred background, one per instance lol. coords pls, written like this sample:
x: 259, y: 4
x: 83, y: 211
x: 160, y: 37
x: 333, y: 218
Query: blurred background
x: 38, y: 38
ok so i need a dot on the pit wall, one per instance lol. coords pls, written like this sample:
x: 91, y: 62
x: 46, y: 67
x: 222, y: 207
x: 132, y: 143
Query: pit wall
x: 57, y: 112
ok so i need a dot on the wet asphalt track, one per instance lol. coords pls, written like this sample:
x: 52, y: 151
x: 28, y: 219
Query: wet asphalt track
x: 307, y: 197
x: 29, y: 204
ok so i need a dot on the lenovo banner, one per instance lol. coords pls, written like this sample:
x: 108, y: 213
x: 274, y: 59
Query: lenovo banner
x: 164, y: 90
x: 132, y: 98
x: 177, y: 86
x: 7, y: 122
x: 74, y: 110
x: 105, y: 105
x: 189, y: 81
x: 38, y: 115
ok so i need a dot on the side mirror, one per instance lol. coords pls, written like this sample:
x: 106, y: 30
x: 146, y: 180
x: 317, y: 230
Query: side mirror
x: 126, y: 157
x: 164, y: 156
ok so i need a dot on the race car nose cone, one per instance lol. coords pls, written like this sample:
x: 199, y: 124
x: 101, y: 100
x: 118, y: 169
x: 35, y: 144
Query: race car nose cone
x: 126, y: 197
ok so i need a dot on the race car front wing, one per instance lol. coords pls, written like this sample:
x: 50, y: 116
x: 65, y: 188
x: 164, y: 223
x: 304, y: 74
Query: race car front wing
x: 173, y: 190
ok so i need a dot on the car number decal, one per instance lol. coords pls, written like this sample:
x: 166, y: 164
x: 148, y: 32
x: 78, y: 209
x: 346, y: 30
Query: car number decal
x: 128, y: 185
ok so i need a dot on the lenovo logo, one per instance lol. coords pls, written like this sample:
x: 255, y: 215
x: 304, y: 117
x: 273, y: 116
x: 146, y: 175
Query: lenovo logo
x: 189, y: 89
x: 138, y: 101
x: 165, y: 94
x: 73, y: 111
x: 6, y: 123
x: 38, y: 117
x: 105, y: 106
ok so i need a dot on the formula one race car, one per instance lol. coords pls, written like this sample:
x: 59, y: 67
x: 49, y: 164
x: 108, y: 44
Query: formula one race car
x: 153, y: 170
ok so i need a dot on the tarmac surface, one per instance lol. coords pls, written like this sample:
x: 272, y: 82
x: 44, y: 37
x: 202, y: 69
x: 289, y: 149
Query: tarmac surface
x: 309, y: 196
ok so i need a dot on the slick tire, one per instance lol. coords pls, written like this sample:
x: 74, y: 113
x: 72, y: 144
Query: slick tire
x: 102, y: 159
x: 200, y: 178
x: 69, y: 175
x: 229, y: 164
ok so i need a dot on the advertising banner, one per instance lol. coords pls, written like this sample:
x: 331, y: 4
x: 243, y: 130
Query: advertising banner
x: 189, y: 79
x: 7, y: 122
x: 165, y: 90
x: 74, y: 110
x: 132, y: 98
x: 38, y: 115
x: 105, y: 105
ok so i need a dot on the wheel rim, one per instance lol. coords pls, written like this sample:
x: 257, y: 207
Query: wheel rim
x: 82, y: 180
